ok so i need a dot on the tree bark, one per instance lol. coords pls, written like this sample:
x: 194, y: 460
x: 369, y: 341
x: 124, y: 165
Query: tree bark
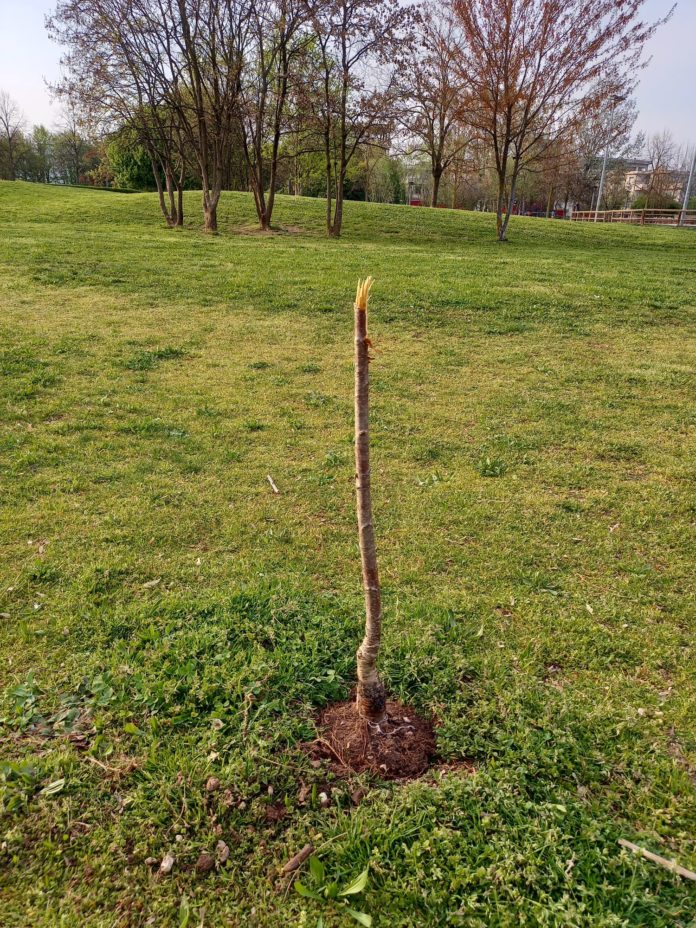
x: 500, y: 225
x: 160, y: 195
x: 502, y: 221
x: 180, y: 204
x: 437, y: 175
x: 169, y: 180
x: 173, y: 214
x: 160, y: 191
x: 329, y: 180
x: 371, y: 696
x: 337, y: 224
x: 210, y: 218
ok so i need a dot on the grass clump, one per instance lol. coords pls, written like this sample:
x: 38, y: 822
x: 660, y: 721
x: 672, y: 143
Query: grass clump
x: 147, y: 360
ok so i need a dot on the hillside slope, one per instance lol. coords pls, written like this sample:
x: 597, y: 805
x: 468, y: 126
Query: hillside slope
x: 166, y: 618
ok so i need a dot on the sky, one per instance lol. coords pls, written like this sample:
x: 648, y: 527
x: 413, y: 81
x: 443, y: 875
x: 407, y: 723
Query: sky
x: 666, y: 94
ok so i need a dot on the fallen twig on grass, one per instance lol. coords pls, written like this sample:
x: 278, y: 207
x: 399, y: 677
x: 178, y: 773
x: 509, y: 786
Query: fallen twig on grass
x: 296, y: 862
x: 128, y: 766
x: 656, y: 859
x: 295, y: 874
x: 272, y: 483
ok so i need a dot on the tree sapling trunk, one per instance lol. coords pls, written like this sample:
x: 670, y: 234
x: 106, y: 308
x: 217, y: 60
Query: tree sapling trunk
x: 371, y: 697
x: 388, y: 739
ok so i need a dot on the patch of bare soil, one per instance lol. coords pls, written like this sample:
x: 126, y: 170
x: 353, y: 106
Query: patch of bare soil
x: 401, y: 748
x: 265, y: 233
x: 276, y: 812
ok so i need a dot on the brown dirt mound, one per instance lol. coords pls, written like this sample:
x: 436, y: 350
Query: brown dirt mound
x: 400, y: 749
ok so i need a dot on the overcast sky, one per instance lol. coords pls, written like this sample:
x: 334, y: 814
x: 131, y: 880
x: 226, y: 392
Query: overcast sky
x: 666, y: 95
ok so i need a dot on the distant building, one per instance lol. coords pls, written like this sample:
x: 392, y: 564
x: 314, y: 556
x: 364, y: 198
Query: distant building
x: 635, y: 176
x: 668, y: 184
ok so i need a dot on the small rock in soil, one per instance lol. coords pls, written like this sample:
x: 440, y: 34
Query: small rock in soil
x: 222, y: 851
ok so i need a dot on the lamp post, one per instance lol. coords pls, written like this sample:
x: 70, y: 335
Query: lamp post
x: 616, y: 99
x: 687, y: 192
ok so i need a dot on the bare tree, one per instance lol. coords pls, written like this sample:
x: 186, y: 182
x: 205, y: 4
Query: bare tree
x: 353, y: 87
x: 383, y: 183
x: 72, y: 144
x: 172, y: 67
x: 537, y: 69
x: 544, y: 177
x: 607, y: 133
x: 434, y: 94
x: 112, y: 73
x: 202, y: 43
x: 663, y: 180
x: 11, y: 126
x: 274, y: 42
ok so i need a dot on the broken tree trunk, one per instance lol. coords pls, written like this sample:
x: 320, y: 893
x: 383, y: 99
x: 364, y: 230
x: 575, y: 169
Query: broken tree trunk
x: 371, y: 697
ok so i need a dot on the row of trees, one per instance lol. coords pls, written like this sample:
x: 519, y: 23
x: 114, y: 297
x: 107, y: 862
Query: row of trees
x: 642, y: 172
x: 206, y: 83
x: 74, y: 154
x: 225, y: 93
x: 66, y: 155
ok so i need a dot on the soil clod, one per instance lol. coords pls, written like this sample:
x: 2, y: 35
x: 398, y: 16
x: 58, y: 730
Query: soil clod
x: 205, y: 863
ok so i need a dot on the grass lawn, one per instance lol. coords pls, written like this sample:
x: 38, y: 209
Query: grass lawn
x: 165, y: 618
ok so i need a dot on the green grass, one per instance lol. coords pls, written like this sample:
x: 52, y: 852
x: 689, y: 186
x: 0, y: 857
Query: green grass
x: 166, y: 618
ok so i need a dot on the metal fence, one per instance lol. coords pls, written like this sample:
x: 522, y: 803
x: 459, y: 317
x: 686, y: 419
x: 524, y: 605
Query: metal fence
x: 639, y: 217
